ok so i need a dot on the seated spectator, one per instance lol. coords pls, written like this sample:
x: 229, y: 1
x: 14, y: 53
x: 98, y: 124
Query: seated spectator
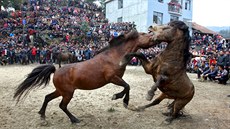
x: 222, y: 75
x: 203, y: 67
x: 210, y: 73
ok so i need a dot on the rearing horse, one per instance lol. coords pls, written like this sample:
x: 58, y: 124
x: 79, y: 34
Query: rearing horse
x: 104, y: 68
x: 168, y: 69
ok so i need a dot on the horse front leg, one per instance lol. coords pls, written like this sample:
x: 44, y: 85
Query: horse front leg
x: 120, y: 82
x: 159, y: 80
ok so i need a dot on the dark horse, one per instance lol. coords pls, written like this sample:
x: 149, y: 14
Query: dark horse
x: 67, y: 56
x: 168, y: 69
x: 104, y: 68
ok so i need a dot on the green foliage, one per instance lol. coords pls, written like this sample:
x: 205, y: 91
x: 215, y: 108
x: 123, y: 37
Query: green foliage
x: 4, y: 3
x: 84, y: 27
x: 102, y: 2
x: 12, y: 3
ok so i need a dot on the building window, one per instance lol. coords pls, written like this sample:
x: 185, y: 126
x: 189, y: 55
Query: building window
x: 157, y: 18
x: 161, y: 1
x: 120, y: 4
x: 187, y: 5
x: 174, y: 18
x: 119, y: 19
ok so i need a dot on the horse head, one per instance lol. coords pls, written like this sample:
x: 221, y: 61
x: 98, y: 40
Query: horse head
x: 170, y: 32
x: 176, y: 34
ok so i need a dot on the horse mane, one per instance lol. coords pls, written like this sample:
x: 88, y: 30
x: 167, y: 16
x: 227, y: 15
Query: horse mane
x: 187, y: 39
x: 117, y: 41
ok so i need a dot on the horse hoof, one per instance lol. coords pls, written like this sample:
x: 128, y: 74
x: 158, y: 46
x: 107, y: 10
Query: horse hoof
x: 114, y: 97
x: 125, y: 105
x: 140, y: 109
x: 74, y: 121
x: 168, y: 121
x: 44, y: 123
x: 42, y: 115
x: 149, y: 97
x: 137, y: 109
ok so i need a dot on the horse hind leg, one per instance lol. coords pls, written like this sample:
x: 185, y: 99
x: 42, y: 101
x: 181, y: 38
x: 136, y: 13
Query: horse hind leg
x: 155, y: 102
x: 170, y: 109
x: 48, y: 98
x: 63, y: 105
x: 178, y: 105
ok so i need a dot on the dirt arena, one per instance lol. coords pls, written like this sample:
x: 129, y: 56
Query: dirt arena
x: 209, y: 109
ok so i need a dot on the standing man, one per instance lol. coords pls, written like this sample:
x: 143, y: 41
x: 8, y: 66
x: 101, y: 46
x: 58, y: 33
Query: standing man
x: 221, y: 59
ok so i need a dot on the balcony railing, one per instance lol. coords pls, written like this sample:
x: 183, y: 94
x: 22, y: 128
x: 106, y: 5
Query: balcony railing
x: 174, y: 8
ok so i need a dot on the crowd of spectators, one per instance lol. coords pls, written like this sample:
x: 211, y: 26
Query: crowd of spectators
x: 211, y: 58
x: 42, y: 27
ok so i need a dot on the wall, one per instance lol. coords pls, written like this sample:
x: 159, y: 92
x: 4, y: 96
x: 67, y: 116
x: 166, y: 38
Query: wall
x: 141, y: 12
x: 132, y: 11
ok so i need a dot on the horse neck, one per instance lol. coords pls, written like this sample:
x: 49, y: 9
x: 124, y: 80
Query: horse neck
x: 127, y: 47
x: 174, y: 51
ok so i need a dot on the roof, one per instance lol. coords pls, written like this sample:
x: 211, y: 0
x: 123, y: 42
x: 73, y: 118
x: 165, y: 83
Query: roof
x: 202, y: 29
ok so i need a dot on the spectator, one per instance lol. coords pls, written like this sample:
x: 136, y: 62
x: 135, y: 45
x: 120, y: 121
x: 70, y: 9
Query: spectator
x: 227, y: 60
x: 222, y: 75
x: 221, y: 59
x: 210, y: 73
x: 201, y: 68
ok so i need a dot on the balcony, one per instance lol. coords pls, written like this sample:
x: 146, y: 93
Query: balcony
x: 174, y: 8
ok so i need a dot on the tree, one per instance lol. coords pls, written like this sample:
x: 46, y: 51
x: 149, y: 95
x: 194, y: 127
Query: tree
x: 11, y: 3
x: 225, y: 33
x: 102, y: 2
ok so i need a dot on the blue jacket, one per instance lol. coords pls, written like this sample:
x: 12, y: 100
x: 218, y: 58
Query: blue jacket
x: 209, y: 72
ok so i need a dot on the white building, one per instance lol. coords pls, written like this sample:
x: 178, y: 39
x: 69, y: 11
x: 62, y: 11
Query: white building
x: 146, y: 12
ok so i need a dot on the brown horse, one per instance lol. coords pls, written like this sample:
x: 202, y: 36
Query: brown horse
x: 67, y: 56
x: 168, y: 69
x: 104, y: 68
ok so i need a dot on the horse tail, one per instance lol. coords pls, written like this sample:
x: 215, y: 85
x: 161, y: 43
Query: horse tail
x: 39, y: 76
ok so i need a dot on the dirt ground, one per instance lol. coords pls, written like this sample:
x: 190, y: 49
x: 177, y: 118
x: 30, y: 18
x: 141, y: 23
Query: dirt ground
x: 209, y: 109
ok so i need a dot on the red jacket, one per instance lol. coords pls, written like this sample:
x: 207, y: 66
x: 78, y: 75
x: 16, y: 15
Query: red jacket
x: 34, y: 51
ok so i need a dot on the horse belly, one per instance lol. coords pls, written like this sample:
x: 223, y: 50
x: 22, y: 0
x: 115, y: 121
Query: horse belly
x: 178, y: 89
x: 91, y: 83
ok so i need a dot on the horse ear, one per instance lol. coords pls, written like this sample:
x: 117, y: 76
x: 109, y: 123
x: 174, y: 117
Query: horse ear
x: 184, y: 27
x: 118, y: 39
